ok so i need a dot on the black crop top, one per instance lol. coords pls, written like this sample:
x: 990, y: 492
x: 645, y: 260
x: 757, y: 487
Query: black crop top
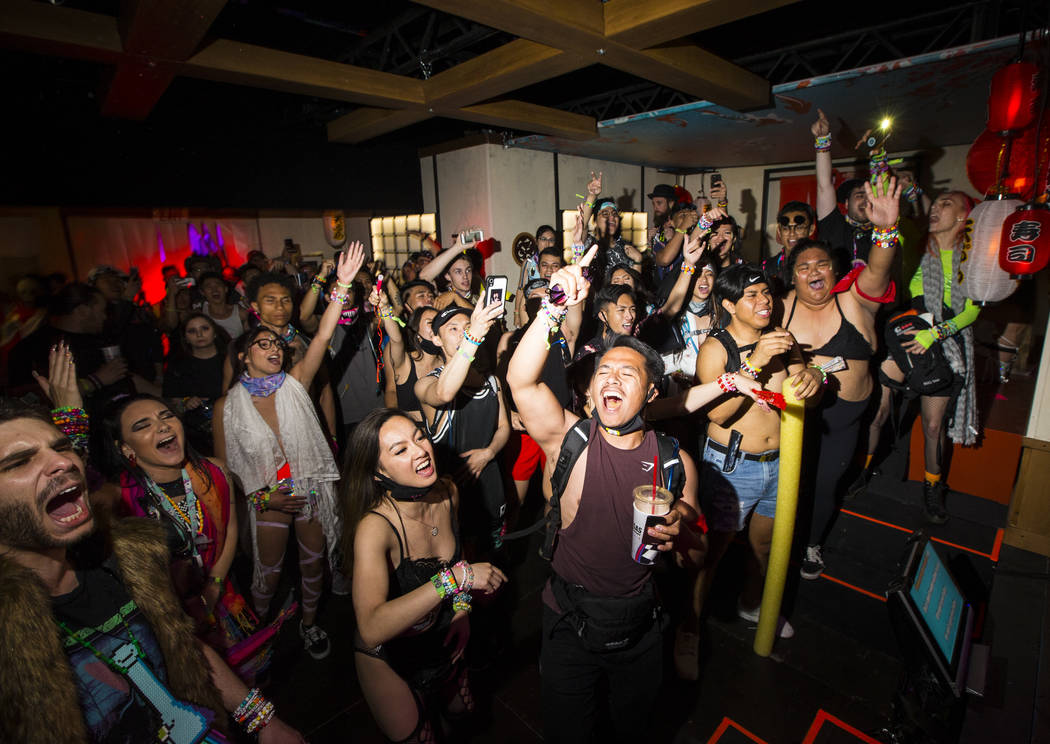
x: 848, y: 342
x: 406, y: 391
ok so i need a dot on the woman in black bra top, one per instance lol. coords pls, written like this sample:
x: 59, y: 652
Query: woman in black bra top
x: 828, y: 324
x: 410, y: 354
x: 411, y: 591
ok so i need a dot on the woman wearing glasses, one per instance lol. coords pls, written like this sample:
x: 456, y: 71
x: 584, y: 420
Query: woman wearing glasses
x: 268, y: 433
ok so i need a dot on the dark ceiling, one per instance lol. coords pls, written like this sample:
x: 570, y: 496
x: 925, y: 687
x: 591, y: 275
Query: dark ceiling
x: 217, y: 144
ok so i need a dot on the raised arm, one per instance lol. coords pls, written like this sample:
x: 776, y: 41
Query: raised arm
x: 594, y: 190
x: 541, y: 413
x: 825, y: 188
x: 691, y: 252
x: 883, y: 209
x: 307, y: 319
x: 396, y: 351
x: 350, y: 261
x: 440, y: 262
x: 441, y: 390
x: 680, y: 225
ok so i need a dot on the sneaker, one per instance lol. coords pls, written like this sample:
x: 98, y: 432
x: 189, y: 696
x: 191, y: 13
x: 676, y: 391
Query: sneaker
x: 687, y: 655
x: 933, y: 502
x: 812, y: 564
x: 315, y: 641
x: 784, y: 629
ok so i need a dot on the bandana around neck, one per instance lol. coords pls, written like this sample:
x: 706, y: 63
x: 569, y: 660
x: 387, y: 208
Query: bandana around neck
x: 635, y: 424
x: 699, y: 308
x: 399, y: 492
x: 857, y: 225
x: 262, y: 387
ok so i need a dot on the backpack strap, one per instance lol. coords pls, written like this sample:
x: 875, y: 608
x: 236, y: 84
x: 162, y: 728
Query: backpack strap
x: 732, y: 350
x: 572, y: 446
x: 671, y: 464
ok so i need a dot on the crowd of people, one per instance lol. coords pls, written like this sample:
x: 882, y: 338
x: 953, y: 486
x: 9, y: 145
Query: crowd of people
x: 396, y: 420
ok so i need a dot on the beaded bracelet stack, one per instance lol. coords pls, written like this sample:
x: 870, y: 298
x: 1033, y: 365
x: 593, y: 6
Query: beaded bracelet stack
x: 260, y: 500
x: 255, y: 712
x: 476, y: 342
x: 73, y: 422
x: 884, y: 238
x: 704, y: 223
x: 822, y: 142
x: 912, y: 193
x: 943, y: 330
x: 688, y: 269
x: 747, y: 368
x: 823, y: 374
x: 387, y: 313
x: 445, y: 584
x: 340, y: 292
x: 552, y: 315
x: 578, y: 249
x: 726, y: 382
x: 316, y: 286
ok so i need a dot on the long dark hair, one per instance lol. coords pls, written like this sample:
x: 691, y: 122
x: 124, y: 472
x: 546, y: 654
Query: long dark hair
x: 239, y: 350
x: 412, y: 336
x: 182, y: 350
x: 359, y: 492
x: 114, y: 461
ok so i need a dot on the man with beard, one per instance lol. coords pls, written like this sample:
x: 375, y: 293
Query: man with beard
x: 120, y: 662
x: 741, y: 458
x: 592, y: 560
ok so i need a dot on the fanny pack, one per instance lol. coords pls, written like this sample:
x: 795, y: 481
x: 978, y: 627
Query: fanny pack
x: 605, y: 624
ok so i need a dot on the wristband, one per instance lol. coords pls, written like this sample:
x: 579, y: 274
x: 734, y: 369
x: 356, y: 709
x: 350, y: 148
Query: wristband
x: 461, y: 602
x: 315, y: 287
x: 749, y: 369
x: 95, y: 381
x: 220, y: 580
x: 445, y: 583
x: 723, y: 205
x: 688, y: 269
x: 726, y: 383
x: 823, y: 374
x: 338, y: 298
x: 681, y: 232
x: 468, y: 576
x: 885, y: 237
x: 466, y: 354
x: 472, y: 339
x: 341, y: 284
x: 704, y: 222
x: 822, y: 142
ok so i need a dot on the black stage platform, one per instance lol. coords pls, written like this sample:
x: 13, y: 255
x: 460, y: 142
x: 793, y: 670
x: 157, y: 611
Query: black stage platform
x: 836, y: 676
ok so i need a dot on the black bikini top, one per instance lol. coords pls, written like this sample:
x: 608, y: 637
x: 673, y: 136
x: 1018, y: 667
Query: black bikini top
x: 847, y: 342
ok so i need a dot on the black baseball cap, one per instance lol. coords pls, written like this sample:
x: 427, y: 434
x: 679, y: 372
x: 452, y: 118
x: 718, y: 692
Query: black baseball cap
x: 447, y: 314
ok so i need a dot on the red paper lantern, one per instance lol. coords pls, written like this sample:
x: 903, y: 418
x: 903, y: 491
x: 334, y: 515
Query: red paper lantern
x: 987, y: 150
x: 1011, y: 104
x: 1024, y: 247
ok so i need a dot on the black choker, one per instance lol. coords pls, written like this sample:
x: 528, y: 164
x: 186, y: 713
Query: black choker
x: 399, y: 492
x: 635, y: 424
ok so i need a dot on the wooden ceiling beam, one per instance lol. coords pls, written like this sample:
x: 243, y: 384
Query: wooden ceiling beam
x: 647, y: 23
x: 697, y: 73
x: 571, y: 26
x: 530, y: 117
x: 166, y: 29
x: 365, y: 123
x: 510, y: 67
x: 246, y: 64
x: 154, y: 32
x: 64, y: 32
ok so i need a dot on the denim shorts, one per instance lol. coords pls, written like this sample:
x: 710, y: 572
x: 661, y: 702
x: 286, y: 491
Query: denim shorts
x: 728, y: 498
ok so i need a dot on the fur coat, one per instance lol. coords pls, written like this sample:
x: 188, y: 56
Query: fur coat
x: 40, y: 703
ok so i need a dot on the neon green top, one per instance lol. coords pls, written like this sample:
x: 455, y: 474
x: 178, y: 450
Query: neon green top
x: 965, y: 317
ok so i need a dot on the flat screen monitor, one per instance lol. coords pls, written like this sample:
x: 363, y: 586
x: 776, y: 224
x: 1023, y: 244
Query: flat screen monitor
x: 937, y: 611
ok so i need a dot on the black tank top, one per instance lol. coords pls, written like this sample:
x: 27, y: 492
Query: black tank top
x: 847, y: 342
x: 406, y: 391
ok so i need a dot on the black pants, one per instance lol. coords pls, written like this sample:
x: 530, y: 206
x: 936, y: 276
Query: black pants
x: 573, y: 678
x: 839, y: 422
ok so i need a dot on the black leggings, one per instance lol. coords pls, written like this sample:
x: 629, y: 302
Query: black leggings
x: 840, y: 422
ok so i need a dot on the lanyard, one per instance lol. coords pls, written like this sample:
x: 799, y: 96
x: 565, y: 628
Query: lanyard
x: 82, y: 635
x: 192, y: 517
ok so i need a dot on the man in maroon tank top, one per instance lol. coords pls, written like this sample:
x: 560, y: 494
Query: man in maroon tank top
x: 593, y: 554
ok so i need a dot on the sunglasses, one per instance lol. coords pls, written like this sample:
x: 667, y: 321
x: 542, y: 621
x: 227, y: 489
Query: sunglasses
x: 799, y: 220
x: 269, y: 343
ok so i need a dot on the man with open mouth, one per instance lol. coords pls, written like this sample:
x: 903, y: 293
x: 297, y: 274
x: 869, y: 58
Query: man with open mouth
x: 91, y: 626
x: 590, y: 534
x: 741, y: 458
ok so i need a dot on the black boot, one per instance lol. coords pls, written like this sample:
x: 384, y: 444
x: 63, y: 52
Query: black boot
x: 933, y: 502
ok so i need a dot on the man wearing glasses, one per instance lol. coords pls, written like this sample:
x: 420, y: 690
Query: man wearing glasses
x: 795, y: 221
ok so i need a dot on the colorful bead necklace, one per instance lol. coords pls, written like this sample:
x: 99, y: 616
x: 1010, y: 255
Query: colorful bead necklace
x: 192, y: 516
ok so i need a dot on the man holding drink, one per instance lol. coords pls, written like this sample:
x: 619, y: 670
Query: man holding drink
x: 601, y: 616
